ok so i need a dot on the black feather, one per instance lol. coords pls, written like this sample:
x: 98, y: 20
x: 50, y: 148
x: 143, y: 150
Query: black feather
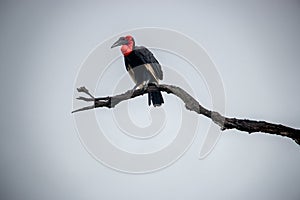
x: 140, y: 56
x: 143, y: 67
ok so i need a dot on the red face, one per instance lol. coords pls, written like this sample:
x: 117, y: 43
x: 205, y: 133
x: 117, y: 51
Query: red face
x: 127, y: 48
x: 129, y: 38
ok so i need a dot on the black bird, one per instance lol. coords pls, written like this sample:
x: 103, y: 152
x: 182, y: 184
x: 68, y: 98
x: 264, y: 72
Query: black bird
x: 142, y: 66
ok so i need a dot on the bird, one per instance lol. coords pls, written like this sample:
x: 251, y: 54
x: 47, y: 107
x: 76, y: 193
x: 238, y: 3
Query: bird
x: 143, y: 68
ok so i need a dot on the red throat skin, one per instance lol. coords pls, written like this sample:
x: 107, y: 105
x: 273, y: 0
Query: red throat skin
x: 127, y: 49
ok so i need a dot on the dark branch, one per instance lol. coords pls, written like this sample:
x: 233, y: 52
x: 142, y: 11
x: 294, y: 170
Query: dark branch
x: 191, y: 104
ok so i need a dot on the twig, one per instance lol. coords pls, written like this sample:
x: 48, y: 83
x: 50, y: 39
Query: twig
x: 191, y: 104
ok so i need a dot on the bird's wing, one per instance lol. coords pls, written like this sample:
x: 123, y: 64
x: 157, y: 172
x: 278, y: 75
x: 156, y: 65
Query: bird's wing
x: 130, y: 70
x: 148, y: 58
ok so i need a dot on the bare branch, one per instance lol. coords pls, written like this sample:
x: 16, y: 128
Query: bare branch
x: 191, y: 104
x: 84, y: 108
x: 85, y: 99
x: 86, y: 91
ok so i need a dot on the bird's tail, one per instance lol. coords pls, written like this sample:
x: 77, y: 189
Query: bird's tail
x: 155, y: 97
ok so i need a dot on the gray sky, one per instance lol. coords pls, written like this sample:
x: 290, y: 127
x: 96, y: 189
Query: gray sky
x: 255, y: 47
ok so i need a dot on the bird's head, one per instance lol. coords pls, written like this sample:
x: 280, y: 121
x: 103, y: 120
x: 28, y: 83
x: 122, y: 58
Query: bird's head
x: 126, y: 43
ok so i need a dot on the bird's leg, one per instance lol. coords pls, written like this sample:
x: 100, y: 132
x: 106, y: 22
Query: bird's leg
x: 135, y: 87
x: 138, y: 86
x: 145, y: 85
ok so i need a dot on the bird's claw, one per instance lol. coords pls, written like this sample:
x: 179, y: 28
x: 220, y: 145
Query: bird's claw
x: 145, y: 86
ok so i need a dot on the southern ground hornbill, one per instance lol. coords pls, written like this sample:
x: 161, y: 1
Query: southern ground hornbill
x: 142, y: 66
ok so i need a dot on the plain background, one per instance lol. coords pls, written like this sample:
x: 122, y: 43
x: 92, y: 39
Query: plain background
x: 255, y: 46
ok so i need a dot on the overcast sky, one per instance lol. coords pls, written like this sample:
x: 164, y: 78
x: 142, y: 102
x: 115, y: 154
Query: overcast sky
x: 255, y: 48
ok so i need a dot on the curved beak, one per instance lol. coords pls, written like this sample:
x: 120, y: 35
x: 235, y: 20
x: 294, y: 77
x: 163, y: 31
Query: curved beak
x: 121, y: 41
